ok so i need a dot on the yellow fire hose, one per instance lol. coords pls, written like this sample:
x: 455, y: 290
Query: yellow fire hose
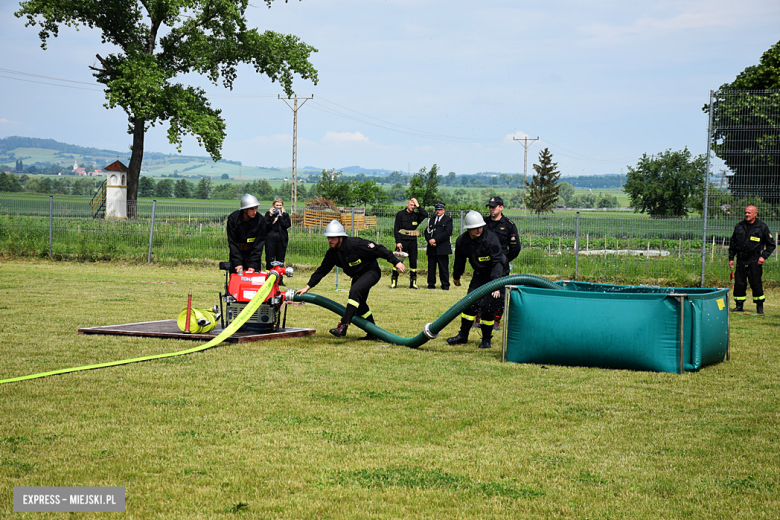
x: 250, y: 309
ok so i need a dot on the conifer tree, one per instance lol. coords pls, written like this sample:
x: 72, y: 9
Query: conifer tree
x: 543, y: 188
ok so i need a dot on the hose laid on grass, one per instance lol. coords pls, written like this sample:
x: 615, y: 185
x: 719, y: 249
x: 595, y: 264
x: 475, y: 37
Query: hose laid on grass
x: 250, y: 309
x: 431, y: 330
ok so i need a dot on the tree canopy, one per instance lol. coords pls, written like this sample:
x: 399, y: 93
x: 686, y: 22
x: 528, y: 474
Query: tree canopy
x: 746, y: 129
x: 666, y: 185
x: 157, y: 42
x: 424, y: 186
x: 543, y: 189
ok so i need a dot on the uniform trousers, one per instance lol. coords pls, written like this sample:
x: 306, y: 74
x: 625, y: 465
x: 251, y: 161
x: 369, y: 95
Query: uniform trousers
x: 748, y: 271
x: 275, y: 249
x: 443, y: 263
x: 487, y: 306
x: 358, y: 294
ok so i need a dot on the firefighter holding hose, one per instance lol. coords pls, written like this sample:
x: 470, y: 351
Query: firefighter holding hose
x: 483, y: 251
x: 246, y: 236
x: 358, y: 258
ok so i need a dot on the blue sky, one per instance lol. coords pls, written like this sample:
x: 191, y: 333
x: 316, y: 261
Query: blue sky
x: 408, y: 83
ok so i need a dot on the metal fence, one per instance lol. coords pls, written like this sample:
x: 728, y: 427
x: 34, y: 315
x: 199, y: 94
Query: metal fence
x: 613, y: 247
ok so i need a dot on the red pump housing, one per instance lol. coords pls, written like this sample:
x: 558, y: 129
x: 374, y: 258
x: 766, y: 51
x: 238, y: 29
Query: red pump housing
x: 243, y: 287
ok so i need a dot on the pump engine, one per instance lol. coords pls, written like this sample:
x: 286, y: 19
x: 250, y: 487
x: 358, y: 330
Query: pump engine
x: 241, y: 288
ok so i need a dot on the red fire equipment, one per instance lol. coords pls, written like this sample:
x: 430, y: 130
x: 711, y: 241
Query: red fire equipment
x: 241, y: 288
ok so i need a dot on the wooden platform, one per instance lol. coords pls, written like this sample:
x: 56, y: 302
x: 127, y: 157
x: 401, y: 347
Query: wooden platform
x: 169, y: 329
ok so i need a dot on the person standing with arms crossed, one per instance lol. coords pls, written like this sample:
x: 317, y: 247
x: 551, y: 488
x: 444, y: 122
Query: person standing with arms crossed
x: 751, y: 244
x: 277, y: 222
x: 406, y: 233
x: 439, y: 248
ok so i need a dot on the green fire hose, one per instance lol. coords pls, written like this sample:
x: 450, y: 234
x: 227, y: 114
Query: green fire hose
x: 431, y: 330
x: 250, y: 309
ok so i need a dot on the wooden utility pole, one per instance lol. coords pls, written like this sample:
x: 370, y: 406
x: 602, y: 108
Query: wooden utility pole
x: 295, y: 107
x: 525, y: 164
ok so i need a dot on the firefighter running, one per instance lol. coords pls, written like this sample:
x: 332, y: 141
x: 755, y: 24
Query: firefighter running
x: 483, y: 251
x: 751, y: 244
x: 406, y: 233
x: 358, y: 258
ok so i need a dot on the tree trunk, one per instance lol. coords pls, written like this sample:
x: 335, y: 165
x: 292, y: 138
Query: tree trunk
x: 134, y: 168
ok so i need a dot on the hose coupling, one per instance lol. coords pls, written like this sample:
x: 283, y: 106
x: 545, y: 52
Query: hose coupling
x: 427, y: 332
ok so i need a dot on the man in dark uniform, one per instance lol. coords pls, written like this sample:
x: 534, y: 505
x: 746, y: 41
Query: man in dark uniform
x: 483, y: 251
x: 246, y: 235
x: 507, y: 234
x: 751, y: 243
x: 357, y: 257
x: 405, y: 231
x: 439, y: 248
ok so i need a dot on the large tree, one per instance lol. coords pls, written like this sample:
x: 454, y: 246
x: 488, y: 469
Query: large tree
x: 155, y: 42
x: 543, y: 189
x: 746, y: 129
x: 666, y: 185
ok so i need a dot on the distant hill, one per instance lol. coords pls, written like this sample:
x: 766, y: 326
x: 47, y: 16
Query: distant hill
x: 48, y: 153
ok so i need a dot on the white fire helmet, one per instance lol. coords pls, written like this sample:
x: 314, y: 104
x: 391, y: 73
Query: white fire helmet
x: 334, y: 229
x: 473, y: 220
x: 249, y: 201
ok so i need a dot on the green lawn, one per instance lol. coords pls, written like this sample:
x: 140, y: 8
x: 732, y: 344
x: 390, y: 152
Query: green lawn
x: 321, y: 427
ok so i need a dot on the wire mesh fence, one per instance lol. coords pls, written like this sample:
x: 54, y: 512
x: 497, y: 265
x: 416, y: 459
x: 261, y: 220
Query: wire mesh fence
x: 610, y: 247
x: 744, y: 162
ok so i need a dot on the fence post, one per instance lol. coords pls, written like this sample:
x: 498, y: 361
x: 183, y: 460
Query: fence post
x: 51, y: 222
x: 706, y: 192
x: 354, y: 232
x: 457, y: 233
x: 151, y: 232
x: 577, y: 248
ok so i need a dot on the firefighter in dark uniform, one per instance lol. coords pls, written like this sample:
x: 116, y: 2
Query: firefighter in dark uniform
x: 483, y: 251
x: 751, y: 243
x: 507, y: 234
x: 358, y: 258
x: 246, y: 236
x: 406, y: 233
x: 438, y: 234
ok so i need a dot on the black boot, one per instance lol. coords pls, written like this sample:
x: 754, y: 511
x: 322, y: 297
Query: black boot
x: 394, y: 279
x: 487, y: 335
x: 413, y: 281
x: 463, y: 334
x: 369, y: 336
x: 738, y: 306
x: 760, y: 307
x: 340, y: 330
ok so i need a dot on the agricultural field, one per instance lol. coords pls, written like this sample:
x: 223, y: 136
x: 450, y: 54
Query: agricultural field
x: 324, y: 427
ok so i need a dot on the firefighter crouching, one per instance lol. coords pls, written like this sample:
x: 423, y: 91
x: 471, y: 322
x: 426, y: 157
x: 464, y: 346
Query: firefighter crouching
x: 358, y: 258
x: 405, y: 231
x: 246, y: 236
x: 751, y: 243
x: 483, y: 251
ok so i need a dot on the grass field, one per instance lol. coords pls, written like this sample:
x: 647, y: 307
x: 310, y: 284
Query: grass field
x: 321, y: 427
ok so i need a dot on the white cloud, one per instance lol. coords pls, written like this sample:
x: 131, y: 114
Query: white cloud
x: 343, y: 137
x: 695, y: 15
x: 4, y: 120
x: 508, y: 138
